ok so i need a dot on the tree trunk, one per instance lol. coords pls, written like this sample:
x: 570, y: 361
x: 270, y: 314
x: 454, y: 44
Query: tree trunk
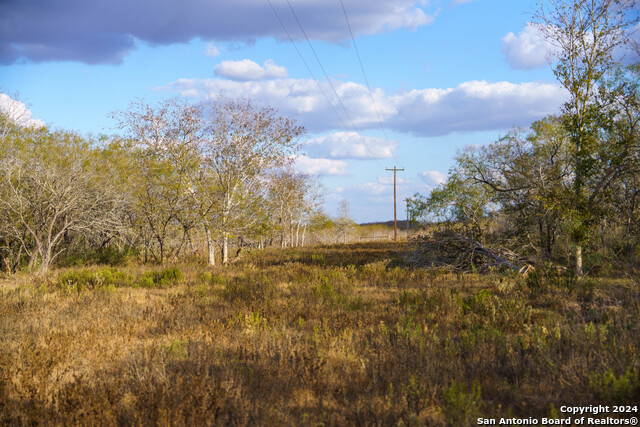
x: 211, y: 259
x: 225, y: 248
x: 304, y: 230
x: 578, y: 266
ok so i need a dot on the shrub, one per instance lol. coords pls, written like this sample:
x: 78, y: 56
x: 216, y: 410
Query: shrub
x: 615, y: 388
x: 168, y: 277
x: 462, y: 406
x: 79, y: 280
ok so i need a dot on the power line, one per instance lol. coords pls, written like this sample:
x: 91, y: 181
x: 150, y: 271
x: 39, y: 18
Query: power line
x: 307, y: 65
x: 363, y: 72
x: 329, y: 81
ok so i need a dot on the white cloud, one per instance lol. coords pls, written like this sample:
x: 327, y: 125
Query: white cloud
x: 411, y: 18
x: 212, y: 50
x: 527, y: 50
x: 248, y: 70
x: 312, y: 166
x: 18, y: 111
x: 432, y: 178
x: 471, y: 106
x: 383, y: 186
x: 373, y: 188
x: 349, y: 145
x: 388, y: 179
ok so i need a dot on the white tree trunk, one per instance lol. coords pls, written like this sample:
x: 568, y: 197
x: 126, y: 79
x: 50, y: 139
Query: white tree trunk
x: 579, y: 260
x: 211, y: 260
x: 225, y: 248
x: 304, y: 230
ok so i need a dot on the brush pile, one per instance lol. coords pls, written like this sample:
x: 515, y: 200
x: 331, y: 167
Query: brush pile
x: 454, y: 251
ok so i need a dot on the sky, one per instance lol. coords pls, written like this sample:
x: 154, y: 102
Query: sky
x: 436, y: 76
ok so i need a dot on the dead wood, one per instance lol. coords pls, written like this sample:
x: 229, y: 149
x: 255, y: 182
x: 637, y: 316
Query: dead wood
x: 450, y: 250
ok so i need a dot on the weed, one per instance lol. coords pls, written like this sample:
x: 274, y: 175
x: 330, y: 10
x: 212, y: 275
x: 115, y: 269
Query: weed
x: 616, y: 389
x: 462, y: 405
x: 168, y: 277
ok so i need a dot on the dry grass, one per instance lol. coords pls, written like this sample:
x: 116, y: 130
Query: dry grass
x: 334, y: 335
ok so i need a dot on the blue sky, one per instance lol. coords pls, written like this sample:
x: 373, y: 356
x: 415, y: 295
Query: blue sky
x: 443, y: 74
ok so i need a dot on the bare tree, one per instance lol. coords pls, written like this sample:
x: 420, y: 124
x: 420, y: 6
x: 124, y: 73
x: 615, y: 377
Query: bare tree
x: 166, y: 142
x: 244, y: 141
x: 294, y: 199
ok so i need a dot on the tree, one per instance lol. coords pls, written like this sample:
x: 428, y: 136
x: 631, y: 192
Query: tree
x: 586, y: 34
x: 52, y: 184
x: 294, y: 200
x: 243, y: 142
x: 344, y: 224
x: 528, y: 174
x: 459, y: 200
x: 165, y: 142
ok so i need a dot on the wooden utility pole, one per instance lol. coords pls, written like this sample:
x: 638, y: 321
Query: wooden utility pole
x: 395, y: 215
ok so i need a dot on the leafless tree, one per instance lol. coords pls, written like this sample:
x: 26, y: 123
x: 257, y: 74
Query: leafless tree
x: 243, y: 142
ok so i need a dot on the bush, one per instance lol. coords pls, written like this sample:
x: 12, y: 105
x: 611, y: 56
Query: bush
x: 462, y: 406
x: 161, y: 279
x: 104, y: 256
x: 79, y: 280
x: 616, y: 388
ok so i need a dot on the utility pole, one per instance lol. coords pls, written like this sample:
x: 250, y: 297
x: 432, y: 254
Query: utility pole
x: 395, y: 216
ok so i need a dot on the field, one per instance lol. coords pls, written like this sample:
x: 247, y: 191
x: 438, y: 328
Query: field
x: 337, y: 335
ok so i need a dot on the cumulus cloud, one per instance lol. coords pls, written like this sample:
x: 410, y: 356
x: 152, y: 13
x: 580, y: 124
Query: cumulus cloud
x: 18, y: 112
x: 313, y: 166
x: 212, y: 50
x: 471, y: 106
x: 373, y: 188
x: 249, y: 70
x: 527, y: 50
x: 474, y: 106
x: 97, y: 31
x: 350, y: 145
x: 432, y: 178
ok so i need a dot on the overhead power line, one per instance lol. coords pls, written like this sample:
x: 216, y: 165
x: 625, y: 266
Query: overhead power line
x: 306, y: 65
x: 353, y: 39
x: 364, y: 142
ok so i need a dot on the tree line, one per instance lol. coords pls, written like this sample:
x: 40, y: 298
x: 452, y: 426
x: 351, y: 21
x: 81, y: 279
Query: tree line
x: 571, y: 181
x: 220, y: 169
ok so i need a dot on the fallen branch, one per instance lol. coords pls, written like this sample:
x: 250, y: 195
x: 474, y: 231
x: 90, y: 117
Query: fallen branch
x: 453, y: 251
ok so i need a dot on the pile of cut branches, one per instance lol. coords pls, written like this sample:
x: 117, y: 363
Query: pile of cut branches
x: 456, y: 252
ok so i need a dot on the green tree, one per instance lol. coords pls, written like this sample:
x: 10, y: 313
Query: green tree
x: 52, y: 185
x: 586, y: 34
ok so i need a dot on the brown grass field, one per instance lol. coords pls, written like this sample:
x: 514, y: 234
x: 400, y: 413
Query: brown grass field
x: 338, y: 335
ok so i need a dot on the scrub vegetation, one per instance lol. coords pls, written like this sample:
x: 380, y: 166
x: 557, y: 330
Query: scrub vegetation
x: 343, y: 334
